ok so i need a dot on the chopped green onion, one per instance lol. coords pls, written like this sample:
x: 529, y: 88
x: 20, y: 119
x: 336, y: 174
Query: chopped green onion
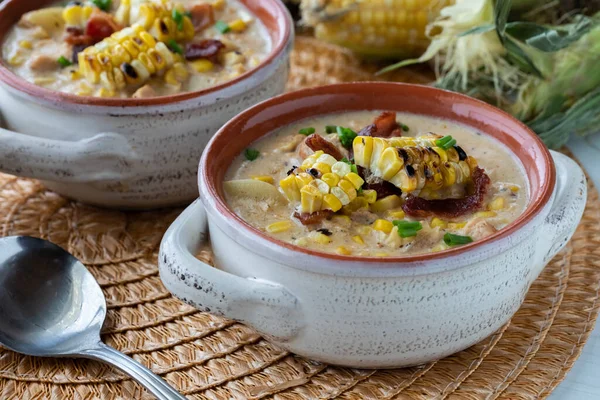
x: 307, y: 131
x: 446, y: 142
x: 455, y: 240
x: 353, y: 168
x: 104, y: 5
x: 62, y: 60
x: 222, y: 27
x: 178, y: 17
x: 360, y: 190
x: 346, y: 136
x: 331, y: 129
x: 251, y: 154
x: 407, y: 228
x: 176, y: 48
x: 404, y: 127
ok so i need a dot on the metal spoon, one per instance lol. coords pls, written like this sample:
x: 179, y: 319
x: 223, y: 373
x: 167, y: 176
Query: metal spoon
x: 51, y: 306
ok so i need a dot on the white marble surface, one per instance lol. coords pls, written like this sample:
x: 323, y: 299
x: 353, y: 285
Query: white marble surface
x: 583, y: 381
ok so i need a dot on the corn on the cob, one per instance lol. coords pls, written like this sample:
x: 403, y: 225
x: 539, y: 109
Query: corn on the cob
x: 157, y: 18
x: 413, y: 164
x: 77, y: 14
x: 380, y: 28
x: 128, y: 57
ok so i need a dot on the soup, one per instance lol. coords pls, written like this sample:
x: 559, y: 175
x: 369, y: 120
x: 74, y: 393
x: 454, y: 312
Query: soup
x: 135, y: 48
x: 377, y: 184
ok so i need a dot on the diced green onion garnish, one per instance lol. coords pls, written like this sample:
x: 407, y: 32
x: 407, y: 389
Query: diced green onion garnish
x: 446, y: 142
x: 251, y: 154
x: 407, y: 228
x: 176, y: 48
x: 331, y: 129
x: 222, y: 27
x: 64, y: 62
x: 455, y: 240
x: 188, y: 14
x: 104, y: 5
x: 404, y: 127
x: 353, y: 168
x: 307, y: 131
x: 178, y: 17
x: 346, y: 135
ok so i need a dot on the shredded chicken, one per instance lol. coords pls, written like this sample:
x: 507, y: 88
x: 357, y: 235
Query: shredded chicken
x: 479, y: 228
x: 43, y: 63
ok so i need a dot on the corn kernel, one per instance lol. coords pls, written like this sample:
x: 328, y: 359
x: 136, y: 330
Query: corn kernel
x: 358, y: 239
x: 438, y: 223
x: 264, y: 178
x: 370, y: 196
x: 439, y: 247
x: 343, y: 251
x: 75, y: 75
x: 397, y: 214
x: 332, y: 203
x: 327, y: 159
x: 340, y: 168
x: 16, y: 60
x: 26, y: 44
x: 364, y: 230
x: 456, y: 225
x: 381, y: 254
x: 514, y: 188
x: 356, y: 180
x: 202, y: 65
x: 301, y: 242
x: 383, y: 225
x: 387, y: 203
x: 281, y: 226
x: 218, y: 4
x: 303, y: 179
x: 320, y: 238
x: 486, y: 214
x: 331, y: 179
x: 238, y: 25
x: 103, y: 92
x: 322, y: 167
x: 497, y: 204
x: 355, y: 205
x: 348, y: 187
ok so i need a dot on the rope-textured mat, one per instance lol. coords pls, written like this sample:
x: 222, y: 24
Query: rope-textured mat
x: 208, y: 357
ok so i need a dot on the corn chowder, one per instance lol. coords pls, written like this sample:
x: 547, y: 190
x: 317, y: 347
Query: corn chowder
x: 135, y: 48
x: 377, y: 184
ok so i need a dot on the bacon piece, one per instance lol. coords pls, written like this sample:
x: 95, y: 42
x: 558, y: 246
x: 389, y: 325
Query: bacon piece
x: 369, y: 130
x: 450, y: 208
x: 317, y: 142
x: 313, y: 218
x: 383, y: 188
x: 386, y: 124
x: 207, y: 48
x: 101, y: 25
x: 203, y: 16
x: 77, y: 37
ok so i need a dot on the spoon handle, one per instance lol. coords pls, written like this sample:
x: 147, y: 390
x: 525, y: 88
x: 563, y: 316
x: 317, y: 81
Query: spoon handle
x: 155, y: 384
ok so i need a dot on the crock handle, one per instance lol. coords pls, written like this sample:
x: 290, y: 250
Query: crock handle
x: 104, y: 157
x: 568, y: 205
x: 268, y: 307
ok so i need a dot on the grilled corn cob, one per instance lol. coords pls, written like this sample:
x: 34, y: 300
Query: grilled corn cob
x: 375, y: 28
x: 413, y: 164
x: 77, y: 14
x: 336, y: 187
x: 128, y: 57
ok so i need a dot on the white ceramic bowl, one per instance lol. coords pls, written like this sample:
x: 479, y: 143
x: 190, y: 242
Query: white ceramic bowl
x: 361, y: 311
x: 130, y: 153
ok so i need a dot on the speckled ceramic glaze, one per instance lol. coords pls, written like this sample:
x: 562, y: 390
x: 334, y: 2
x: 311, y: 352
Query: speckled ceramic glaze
x: 360, y: 311
x: 132, y: 153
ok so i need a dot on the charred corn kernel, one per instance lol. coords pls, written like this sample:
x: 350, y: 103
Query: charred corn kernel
x: 364, y: 230
x: 497, y: 204
x: 514, y: 188
x: 363, y: 149
x: 355, y: 179
x: 322, y: 167
x: 327, y: 159
x: 264, y: 178
x: 340, y: 168
x: 281, y: 226
x: 128, y: 57
x: 343, y: 251
x: 303, y: 179
x: 342, y: 219
x: 438, y: 223
x: 485, y: 214
x: 341, y: 195
x: 202, y: 65
x: 238, y: 25
x: 387, y: 203
x: 398, y: 214
x: 348, y: 188
x: 289, y: 188
x: 456, y: 225
x: 157, y: 18
x: 311, y: 199
x: 330, y: 202
x: 26, y: 44
x: 370, y: 196
x: 77, y: 14
x: 320, y: 238
x: 331, y: 179
x: 383, y: 225
x: 358, y: 239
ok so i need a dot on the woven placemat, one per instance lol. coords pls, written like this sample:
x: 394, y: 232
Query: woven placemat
x: 207, y: 357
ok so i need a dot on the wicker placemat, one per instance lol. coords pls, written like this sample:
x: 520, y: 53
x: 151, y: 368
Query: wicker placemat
x: 207, y: 357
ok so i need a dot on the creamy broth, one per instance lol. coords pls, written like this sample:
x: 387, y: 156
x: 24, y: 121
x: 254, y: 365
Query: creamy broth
x: 33, y: 47
x: 358, y: 232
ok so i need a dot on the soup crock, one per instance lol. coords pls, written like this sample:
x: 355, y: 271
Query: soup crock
x: 131, y: 153
x: 370, y: 312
